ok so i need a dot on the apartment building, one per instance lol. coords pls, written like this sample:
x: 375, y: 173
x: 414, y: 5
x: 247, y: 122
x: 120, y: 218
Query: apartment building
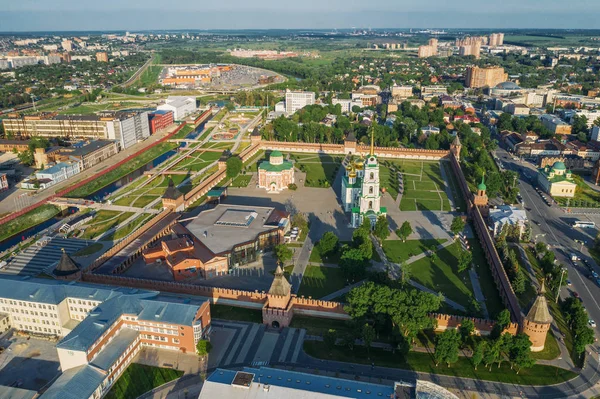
x: 428, y: 92
x: 103, y: 328
x: 429, y: 50
x: 555, y: 124
x: 482, y: 77
x: 401, y: 92
x: 127, y: 128
x: 346, y: 104
x: 496, y: 39
x: 102, y: 56
x: 296, y: 100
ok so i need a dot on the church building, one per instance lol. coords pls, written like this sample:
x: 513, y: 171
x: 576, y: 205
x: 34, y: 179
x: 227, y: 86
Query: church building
x: 361, y: 195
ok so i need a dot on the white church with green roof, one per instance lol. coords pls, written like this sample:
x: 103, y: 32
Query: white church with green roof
x: 361, y: 194
x: 557, y: 180
x: 276, y: 174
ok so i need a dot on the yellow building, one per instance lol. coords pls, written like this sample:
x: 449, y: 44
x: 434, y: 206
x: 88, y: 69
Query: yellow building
x: 481, y: 77
x: 557, y: 180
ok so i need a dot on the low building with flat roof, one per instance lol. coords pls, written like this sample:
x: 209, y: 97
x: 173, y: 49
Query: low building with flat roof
x: 266, y: 382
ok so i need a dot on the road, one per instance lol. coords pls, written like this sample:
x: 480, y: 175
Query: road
x: 553, y: 226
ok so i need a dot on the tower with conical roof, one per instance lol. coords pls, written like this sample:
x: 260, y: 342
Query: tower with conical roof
x: 538, y: 320
x: 455, y: 147
x: 480, y: 200
x: 67, y: 268
x: 173, y: 198
x: 277, y: 312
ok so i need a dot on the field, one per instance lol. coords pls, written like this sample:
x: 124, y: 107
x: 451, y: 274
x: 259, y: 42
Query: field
x: 122, y: 170
x: 398, y: 251
x: 320, y: 281
x: 423, y: 362
x: 423, y: 187
x: 30, y: 219
x: 104, y: 221
x: 441, y: 275
x: 138, y: 379
x: 320, y: 169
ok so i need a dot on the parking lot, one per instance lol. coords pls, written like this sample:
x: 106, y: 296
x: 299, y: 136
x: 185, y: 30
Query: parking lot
x: 28, y: 364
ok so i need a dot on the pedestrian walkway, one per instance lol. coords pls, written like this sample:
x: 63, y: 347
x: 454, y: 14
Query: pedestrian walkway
x: 478, y: 293
x: 343, y: 291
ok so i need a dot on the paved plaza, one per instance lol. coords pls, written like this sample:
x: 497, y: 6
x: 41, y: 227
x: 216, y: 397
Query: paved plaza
x: 28, y: 363
x: 238, y: 343
x: 42, y: 256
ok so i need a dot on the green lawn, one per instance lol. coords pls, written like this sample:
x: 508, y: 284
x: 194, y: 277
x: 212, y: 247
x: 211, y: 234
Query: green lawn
x: 150, y: 75
x: 320, y: 169
x: 138, y: 379
x: 333, y: 258
x: 398, y: 251
x: 29, y: 219
x: 126, y: 230
x: 122, y: 170
x: 241, y: 181
x: 227, y: 312
x: 90, y: 249
x: 459, y: 199
x: 104, y: 221
x: 320, y: 281
x: 423, y: 362
x: 423, y: 187
x: 493, y: 301
x: 442, y: 275
x: 317, y: 325
x: 197, y: 161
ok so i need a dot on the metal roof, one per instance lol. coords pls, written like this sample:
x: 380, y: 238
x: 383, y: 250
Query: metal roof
x: 109, y: 355
x: 76, y: 383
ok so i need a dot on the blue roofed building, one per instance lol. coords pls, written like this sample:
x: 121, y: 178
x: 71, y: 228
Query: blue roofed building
x: 266, y: 383
x: 102, y: 328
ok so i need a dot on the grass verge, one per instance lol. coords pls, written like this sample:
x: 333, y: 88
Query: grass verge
x: 138, y: 379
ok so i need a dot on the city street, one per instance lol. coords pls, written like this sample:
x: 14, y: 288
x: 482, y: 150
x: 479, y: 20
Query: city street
x: 553, y: 226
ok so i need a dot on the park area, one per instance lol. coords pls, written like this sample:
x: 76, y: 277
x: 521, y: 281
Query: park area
x: 320, y: 169
x: 138, y: 379
x: 398, y: 251
x: 319, y: 281
x: 422, y: 187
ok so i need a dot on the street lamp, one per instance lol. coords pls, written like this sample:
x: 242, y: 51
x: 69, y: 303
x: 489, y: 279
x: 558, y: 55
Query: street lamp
x: 564, y: 269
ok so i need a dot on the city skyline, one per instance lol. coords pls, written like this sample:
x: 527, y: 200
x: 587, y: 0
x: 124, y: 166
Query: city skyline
x: 67, y: 15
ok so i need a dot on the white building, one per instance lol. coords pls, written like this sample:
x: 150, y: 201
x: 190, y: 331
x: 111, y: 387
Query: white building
x: 347, y: 104
x: 361, y: 195
x: 591, y: 115
x: 52, y: 175
x: 181, y: 106
x: 129, y: 128
x: 507, y: 215
x: 295, y: 100
x: 429, y: 130
x: 595, y: 133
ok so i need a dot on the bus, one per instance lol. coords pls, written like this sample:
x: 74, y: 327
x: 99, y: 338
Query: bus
x: 584, y: 224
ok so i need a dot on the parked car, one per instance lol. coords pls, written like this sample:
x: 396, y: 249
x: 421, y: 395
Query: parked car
x: 568, y: 283
x: 592, y: 323
x: 575, y: 295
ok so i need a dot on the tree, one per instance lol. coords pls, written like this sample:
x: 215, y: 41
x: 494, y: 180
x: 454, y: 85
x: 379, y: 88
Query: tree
x: 404, y: 231
x: 458, y: 225
x: 234, y: 166
x: 579, y: 125
x: 406, y: 272
x: 203, y: 347
x: 353, y: 264
x: 328, y: 244
x: 464, y: 260
x: 283, y: 253
x: 330, y: 338
x: 502, y: 321
x: 446, y: 347
x: 492, y: 353
x: 466, y: 329
x: 382, y: 228
x: 478, y: 354
x: 368, y: 335
x: 519, y: 353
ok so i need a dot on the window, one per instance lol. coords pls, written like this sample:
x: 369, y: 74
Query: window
x: 371, y: 190
x: 372, y: 175
x: 370, y: 204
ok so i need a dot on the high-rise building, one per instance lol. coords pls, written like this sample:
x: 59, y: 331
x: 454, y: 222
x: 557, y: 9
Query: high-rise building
x: 496, y: 39
x: 102, y: 56
x: 67, y: 45
x: 429, y: 50
x: 473, y: 49
x: 295, y: 100
x: 482, y: 77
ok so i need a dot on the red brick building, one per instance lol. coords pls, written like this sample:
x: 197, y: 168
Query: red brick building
x: 159, y: 120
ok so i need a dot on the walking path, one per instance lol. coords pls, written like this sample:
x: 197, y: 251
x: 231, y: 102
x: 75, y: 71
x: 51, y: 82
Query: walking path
x: 343, y: 291
x: 478, y: 293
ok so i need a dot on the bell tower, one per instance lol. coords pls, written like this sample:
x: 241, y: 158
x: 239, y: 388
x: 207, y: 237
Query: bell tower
x: 480, y: 200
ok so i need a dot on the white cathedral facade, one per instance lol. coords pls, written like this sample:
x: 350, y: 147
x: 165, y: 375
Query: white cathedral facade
x: 361, y: 195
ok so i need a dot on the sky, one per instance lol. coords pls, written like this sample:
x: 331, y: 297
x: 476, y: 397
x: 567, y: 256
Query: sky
x: 44, y: 15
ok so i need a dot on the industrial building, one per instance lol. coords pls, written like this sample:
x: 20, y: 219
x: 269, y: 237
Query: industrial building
x: 180, y: 106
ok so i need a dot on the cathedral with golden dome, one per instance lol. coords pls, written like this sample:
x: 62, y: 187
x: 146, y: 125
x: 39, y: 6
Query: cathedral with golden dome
x: 361, y: 194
